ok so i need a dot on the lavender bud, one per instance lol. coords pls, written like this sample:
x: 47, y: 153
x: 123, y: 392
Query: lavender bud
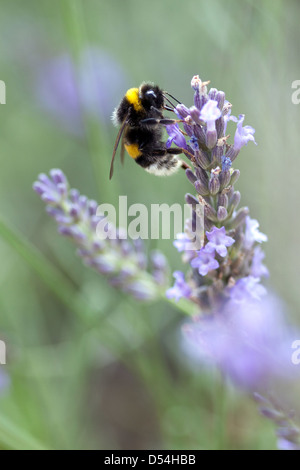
x: 214, y: 185
x: 45, y: 180
x: 141, y: 259
x: 188, y: 129
x: 217, y: 154
x: 126, y: 248
x: 74, y: 195
x: 92, y: 207
x: 229, y: 191
x: 197, y: 99
x: 272, y: 414
x: 105, y: 264
x: 50, y: 198
x: 240, y: 217
x: 39, y: 188
x: 182, y: 110
x: 201, y: 188
x: 84, y: 253
x: 223, y: 200
x: 62, y: 189
x: 72, y: 231
x: 58, y: 177
x: 191, y: 199
x: 74, y: 211
x: 234, y: 177
x: 232, y: 153
x: 191, y: 176
x: 211, y: 138
x: 199, y: 134
x: 222, y: 213
x: 63, y: 219
x: 260, y: 398
x: 83, y: 200
x: 200, y: 88
x: 235, y: 200
x: 210, y: 213
x: 212, y: 94
x: 220, y: 126
x: 220, y: 98
x: 202, y: 176
x: 202, y: 159
x: 195, y: 115
x: 141, y: 290
x: 224, y: 179
x: 98, y: 245
x: 158, y: 260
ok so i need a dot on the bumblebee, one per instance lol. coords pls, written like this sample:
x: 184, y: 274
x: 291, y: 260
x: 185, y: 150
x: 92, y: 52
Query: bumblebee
x: 140, y: 118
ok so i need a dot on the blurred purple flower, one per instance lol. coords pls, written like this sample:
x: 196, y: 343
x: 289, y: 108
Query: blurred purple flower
x: 124, y: 263
x: 258, y: 269
x: 247, y: 289
x: 249, y: 342
x: 180, y: 288
x: 285, y: 444
x: 67, y: 90
x: 182, y: 242
x: 252, y: 234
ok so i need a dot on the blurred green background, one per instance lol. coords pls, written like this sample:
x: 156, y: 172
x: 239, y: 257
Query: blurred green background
x: 91, y: 368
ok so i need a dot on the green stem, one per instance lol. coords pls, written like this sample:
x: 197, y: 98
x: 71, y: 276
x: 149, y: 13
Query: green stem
x: 14, y: 437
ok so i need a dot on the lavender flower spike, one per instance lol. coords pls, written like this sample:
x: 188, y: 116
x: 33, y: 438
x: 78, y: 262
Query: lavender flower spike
x: 124, y: 264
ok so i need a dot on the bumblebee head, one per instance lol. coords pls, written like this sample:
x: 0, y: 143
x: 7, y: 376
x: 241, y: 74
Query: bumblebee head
x: 151, y: 95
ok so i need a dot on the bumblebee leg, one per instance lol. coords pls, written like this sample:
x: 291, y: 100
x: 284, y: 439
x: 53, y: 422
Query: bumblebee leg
x: 157, y: 112
x: 175, y: 150
x: 178, y: 150
x: 164, y: 121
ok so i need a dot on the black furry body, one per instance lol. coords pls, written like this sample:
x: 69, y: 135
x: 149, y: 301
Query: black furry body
x: 140, y: 115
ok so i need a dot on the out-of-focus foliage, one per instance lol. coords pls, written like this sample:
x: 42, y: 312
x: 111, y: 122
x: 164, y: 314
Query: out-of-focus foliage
x: 87, y: 367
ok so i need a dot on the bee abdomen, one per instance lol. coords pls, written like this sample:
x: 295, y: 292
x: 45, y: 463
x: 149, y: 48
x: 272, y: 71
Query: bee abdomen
x: 161, y: 166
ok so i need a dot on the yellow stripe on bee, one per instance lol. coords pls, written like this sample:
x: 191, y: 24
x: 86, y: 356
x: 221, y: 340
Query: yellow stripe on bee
x: 133, y: 150
x: 132, y: 96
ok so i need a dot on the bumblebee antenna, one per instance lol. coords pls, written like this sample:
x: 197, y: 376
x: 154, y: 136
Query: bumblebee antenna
x: 116, y: 147
x: 170, y: 102
x: 173, y: 97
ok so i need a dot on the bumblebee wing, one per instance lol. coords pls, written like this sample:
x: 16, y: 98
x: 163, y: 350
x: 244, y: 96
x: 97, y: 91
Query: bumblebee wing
x: 121, y: 130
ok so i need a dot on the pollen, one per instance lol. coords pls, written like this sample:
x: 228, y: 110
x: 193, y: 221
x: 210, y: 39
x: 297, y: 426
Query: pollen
x: 133, y: 150
x: 132, y: 96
